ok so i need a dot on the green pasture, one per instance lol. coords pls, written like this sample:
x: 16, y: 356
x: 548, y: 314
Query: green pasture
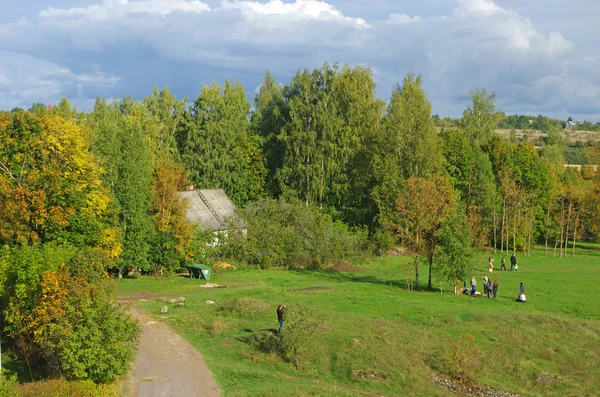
x: 377, y: 338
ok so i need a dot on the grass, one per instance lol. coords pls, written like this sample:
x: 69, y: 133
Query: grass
x: 378, y: 338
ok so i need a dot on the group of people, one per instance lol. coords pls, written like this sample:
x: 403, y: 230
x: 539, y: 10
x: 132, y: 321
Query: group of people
x: 513, y: 263
x: 491, y: 288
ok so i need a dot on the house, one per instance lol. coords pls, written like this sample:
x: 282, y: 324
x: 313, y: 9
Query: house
x: 570, y: 125
x: 211, y: 210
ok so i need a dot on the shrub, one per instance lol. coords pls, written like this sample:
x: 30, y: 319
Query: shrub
x: 8, y: 385
x: 58, y: 303
x: 461, y: 359
x: 300, y: 329
x: 286, y: 233
x: 63, y: 388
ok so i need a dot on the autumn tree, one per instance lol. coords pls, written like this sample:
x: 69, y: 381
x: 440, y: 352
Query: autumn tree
x: 420, y: 212
x: 50, y: 185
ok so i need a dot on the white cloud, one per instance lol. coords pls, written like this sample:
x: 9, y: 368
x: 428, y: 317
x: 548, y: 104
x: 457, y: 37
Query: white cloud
x: 403, y: 18
x: 186, y: 43
x: 110, y: 9
x: 27, y: 80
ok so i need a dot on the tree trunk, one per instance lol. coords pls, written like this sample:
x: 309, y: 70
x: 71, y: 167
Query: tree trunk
x: 495, y: 229
x: 430, y: 268
x: 567, y: 230
x: 515, y: 233
x: 575, y: 233
x: 417, y: 271
x: 547, y: 227
x: 417, y: 263
x: 562, y: 228
x: 531, y: 219
x: 502, y: 230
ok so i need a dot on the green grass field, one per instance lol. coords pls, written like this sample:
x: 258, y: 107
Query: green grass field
x: 377, y: 338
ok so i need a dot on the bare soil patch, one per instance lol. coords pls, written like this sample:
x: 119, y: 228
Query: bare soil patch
x: 460, y: 389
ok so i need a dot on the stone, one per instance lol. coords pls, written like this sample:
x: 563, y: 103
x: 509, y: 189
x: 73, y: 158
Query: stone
x: 164, y: 309
x: 209, y: 302
x: 172, y: 301
x: 181, y: 304
x: 181, y: 299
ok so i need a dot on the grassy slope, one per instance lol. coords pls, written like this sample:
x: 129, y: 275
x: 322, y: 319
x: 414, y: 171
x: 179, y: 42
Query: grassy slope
x: 373, y: 324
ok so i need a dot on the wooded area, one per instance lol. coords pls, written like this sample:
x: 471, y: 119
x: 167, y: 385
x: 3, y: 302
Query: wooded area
x: 86, y: 192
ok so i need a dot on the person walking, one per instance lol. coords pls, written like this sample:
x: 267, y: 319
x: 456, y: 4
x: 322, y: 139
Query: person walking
x: 281, y: 309
x: 491, y: 264
x: 495, y: 288
x: 503, y: 263
x: 513, y: 262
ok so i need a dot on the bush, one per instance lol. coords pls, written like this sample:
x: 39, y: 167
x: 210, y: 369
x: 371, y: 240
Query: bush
x: 461, y: 359
x: 63, y: 388
x: 286, y: 233
x: 58, y: 302
x: 300, y: 329
x: 8, y: 385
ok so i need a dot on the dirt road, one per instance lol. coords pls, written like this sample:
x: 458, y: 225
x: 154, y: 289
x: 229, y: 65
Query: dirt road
x: 167, y: 365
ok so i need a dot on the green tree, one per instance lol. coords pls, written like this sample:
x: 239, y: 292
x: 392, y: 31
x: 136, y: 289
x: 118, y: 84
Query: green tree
x: 480, y: 120
x: 121, y: 141
x: 267, y: 120
x: 453, y: 257
x: 408, y: 145
x: 216, y: 146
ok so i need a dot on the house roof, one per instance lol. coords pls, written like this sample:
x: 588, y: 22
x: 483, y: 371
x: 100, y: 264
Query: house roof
x: 211, y: 209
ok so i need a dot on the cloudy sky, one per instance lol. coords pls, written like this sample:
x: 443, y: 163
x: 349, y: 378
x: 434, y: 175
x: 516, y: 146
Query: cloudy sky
x: 539, y: 56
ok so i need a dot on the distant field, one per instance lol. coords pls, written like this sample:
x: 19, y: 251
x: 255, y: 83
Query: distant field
x: 532, y: 135
x: 378, y: 338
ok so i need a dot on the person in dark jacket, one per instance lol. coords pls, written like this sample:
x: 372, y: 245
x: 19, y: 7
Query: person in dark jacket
x: 513, y: 261
x: 503, y: 263
x: 281, y: 309
x: 522, y: 289
x: 495, y: 288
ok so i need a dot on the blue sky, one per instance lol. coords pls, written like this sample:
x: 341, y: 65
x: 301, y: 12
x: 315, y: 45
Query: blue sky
x: 539, y: 56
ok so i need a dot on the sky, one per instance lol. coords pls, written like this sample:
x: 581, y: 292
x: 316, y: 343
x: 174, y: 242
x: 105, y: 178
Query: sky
x: 538, y: 56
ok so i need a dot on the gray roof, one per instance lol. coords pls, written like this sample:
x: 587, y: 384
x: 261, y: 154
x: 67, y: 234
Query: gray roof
x: 211, y: 209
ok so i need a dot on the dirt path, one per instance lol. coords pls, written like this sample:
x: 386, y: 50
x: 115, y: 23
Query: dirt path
x: 167, y: 365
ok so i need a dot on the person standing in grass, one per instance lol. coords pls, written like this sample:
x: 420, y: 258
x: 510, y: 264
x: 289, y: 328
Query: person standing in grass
x: 473, y: 285
x: 281, y: 309
x: 522, y: 289
x: 495, y: 288
x: 491, y: 264
x: 485, y: 284
x: 503, y: 263
x: 513, y: 262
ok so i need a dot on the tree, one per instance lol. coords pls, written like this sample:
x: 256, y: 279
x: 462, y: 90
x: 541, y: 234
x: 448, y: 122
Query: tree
x: 420, y: 213
x: 50, y: 185
x: 407, y: 146
x: 267, y: 120
x: 452, y: 258
x: 121, y: 141
x: 216, y: 146
x: 480, y: 120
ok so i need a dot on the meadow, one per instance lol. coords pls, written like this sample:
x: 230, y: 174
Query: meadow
x: 374, y: 337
